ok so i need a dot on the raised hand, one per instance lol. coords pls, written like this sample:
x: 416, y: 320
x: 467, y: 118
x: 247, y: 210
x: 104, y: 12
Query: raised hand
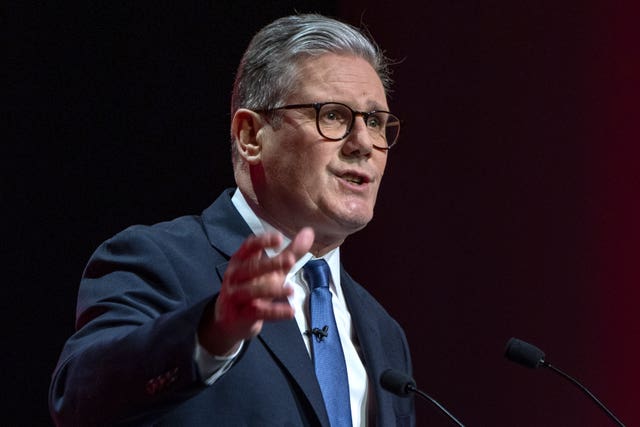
x: 252, y: 292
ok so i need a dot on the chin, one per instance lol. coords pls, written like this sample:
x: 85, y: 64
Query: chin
x: 346, y: 216
x: 354, y: 222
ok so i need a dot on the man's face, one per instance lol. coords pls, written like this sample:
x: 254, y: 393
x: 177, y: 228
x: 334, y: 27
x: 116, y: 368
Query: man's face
x: 311, y: 181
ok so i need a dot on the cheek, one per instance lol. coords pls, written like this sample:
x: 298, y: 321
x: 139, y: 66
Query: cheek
x: 294, y: 175
x: 381, y: 163
x: 280, y: 160
x: 312, y: 166
x: 313, y: 179
x: 299, y: 164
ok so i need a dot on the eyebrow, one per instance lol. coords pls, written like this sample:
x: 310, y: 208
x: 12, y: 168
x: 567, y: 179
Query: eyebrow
x: 374, y: 106
x: 370, y: 106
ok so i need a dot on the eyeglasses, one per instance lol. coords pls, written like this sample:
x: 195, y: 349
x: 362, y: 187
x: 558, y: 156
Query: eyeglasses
x: 335, y: 120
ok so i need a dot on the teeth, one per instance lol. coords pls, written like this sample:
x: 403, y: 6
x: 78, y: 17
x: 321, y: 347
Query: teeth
x: 354, y: 179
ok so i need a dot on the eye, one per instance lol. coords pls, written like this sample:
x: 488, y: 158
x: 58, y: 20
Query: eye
x: 334, y: 115
x: 331, y: 116
x: 376, y: 120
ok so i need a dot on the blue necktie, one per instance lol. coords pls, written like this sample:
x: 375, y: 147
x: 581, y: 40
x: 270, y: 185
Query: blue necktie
x: 328, y: 358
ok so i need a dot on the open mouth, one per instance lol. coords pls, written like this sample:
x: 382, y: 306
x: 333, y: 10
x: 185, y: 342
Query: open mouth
x: 358, y: 180
x: 353, y: 177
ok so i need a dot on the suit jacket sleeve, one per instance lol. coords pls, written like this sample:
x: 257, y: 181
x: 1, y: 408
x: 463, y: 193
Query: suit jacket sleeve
x: 139, y: 304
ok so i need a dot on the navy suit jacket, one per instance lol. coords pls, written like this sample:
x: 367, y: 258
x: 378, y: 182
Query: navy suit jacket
x: 131, y: 359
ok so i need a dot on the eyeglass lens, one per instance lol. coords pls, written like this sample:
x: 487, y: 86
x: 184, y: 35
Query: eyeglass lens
x: 336, y: 120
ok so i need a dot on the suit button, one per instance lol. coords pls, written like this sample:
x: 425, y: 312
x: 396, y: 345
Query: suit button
x: 152, y: 386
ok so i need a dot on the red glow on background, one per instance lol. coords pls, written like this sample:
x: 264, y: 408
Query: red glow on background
x: 615, y: 85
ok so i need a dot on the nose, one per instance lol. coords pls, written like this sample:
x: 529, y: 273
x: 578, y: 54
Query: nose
x: 359, y: 141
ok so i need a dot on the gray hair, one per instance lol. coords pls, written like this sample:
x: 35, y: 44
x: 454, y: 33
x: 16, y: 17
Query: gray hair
x: 268, y: 69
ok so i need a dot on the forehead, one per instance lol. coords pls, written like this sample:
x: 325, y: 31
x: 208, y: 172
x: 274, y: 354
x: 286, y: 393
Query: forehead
x: 342, y: 78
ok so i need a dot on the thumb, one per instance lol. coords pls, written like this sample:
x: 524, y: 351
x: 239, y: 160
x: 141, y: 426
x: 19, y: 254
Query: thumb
x: 301, y: 244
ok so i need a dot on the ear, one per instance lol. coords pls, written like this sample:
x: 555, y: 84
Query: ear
x: 245, y: 126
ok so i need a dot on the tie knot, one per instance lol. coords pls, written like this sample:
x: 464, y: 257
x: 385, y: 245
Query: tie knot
x: 316, y: 272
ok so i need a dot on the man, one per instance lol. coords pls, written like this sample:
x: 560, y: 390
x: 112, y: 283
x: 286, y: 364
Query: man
x: 209, y: 320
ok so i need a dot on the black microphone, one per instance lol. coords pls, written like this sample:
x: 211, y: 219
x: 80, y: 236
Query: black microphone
x: 320, y: 334
x: 529, y: 355
x: 402, y: 385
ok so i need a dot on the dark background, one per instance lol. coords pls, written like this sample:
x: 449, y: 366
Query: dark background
x: 509, y: 208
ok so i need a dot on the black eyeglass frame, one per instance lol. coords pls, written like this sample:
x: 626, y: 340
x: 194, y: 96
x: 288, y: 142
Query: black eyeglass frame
x: 365, y: 115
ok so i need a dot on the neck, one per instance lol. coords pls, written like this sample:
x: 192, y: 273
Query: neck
x: 323, y: 242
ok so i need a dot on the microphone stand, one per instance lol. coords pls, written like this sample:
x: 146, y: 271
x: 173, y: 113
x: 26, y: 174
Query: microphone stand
x: 419, y: 392
x: 584, y: 389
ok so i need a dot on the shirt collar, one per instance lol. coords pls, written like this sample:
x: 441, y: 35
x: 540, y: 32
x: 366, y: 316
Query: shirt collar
x: 260, y: 226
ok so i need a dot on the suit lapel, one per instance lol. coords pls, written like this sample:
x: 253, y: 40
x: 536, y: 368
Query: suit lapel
x: 223, y: 225
x: 226, y: 230
x: 370, y: 345
x: 285, y: 343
